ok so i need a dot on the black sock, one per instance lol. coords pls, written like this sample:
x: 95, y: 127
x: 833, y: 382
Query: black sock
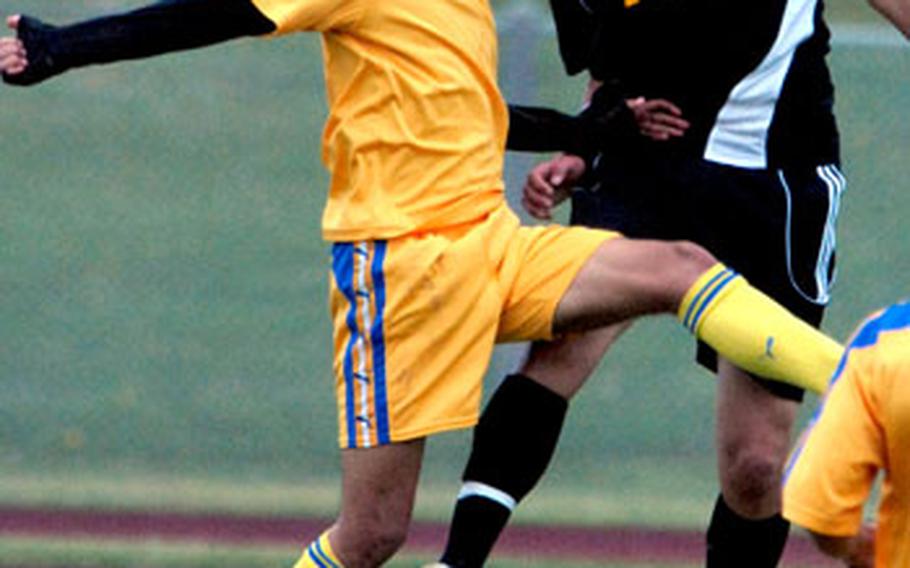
x: 513, y: 444
x: 736, y: 542
x: 476, y: 524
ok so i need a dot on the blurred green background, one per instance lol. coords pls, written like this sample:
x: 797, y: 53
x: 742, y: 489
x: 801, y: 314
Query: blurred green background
x: 164, y: 335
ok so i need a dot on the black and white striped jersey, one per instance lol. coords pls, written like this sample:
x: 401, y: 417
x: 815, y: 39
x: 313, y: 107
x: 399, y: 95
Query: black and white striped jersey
x: 749, y: 75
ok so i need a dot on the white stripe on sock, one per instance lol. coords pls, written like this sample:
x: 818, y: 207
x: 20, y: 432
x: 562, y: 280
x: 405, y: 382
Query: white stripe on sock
x: 477, y: 489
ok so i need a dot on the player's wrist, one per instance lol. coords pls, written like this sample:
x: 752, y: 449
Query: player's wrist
x: 607, y: 121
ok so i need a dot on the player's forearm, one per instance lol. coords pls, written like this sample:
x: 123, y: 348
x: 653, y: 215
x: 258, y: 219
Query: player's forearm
x: 605, y: 120
x: 160, y: 28
x: 895, y: 11
x: 536, y: 129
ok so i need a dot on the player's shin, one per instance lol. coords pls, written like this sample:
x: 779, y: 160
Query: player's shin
x: 513, y: 444
x: 319, y: 554
x: 756, y: 333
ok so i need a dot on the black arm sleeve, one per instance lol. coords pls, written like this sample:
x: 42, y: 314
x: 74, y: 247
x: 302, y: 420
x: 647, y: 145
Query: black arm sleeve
x: 160, y: 28
x: 588, y: 33
x: 536, y: 129
x: 577, y: 27
x: 605, y: 122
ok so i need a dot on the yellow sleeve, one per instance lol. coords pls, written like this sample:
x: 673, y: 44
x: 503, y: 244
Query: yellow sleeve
x: 832, y: 471
x: 311, y: 15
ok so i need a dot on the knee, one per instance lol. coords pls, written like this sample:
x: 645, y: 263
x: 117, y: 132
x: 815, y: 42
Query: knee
x: 751, y: 484
x: 682, y: 263
x: 691, y: 258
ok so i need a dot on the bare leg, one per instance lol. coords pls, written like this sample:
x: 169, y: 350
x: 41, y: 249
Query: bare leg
x: 622, y: 280
x: 515, y: 440
x: 378, y: 489
x: 753, y: 441
x: 565, y: 364
x: 627, y: 278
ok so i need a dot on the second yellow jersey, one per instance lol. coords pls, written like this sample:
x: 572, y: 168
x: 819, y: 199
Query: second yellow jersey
x: 416, y: 129
x: 863, y: 428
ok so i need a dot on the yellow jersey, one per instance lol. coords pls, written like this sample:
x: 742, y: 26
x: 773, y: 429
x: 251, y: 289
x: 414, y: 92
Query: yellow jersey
x: 862, y: 427
x: 416, y: 129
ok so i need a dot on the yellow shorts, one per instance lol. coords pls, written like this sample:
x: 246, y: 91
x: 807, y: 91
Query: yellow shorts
x: 416, y: 319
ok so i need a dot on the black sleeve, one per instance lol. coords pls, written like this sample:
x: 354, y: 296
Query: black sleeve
x: 536, y: 129
x: 605, y: 122
x: 159, y: 28
x: 609, y: 46
x: 577, y: 27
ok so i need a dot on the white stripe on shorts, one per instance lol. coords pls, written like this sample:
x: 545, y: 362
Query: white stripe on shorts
x: 835, y: 183
x: 362, y: 294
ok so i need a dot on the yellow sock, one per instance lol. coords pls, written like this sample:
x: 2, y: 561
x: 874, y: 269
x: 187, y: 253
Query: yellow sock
x: 319, y: 554
x: 756, y: 333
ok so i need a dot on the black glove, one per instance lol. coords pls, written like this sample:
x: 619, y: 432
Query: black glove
x: 162, y: 27
x: 607, y: 121
x: 35, y: 36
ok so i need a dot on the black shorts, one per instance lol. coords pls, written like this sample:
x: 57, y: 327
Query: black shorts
x: 775, y: 227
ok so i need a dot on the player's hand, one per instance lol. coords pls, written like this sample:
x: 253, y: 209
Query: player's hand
x: 658, y: 119
x: 857, y: 551
x: 862, y: 553
x: 549, y: 184
x: 13, y: 58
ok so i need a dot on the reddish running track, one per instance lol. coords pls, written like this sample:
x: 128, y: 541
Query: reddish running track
x: 600, y: 544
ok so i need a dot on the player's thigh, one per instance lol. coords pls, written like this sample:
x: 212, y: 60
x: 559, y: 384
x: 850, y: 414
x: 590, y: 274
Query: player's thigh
x: 537, y: 265
x: 626, y: 278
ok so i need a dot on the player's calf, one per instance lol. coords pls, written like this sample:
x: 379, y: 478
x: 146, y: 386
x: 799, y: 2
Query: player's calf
x: 513, y: 444
x: 379, y: 485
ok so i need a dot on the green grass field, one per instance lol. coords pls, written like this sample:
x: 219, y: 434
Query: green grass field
x: 164, y: 336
